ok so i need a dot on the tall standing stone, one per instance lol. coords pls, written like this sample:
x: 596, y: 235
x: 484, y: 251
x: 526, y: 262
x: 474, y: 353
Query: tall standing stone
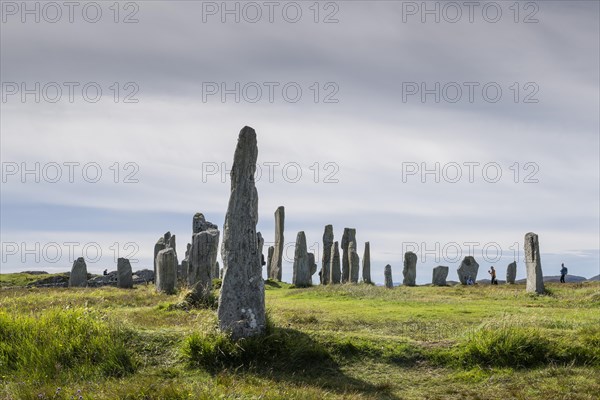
x: 410, y: 269
x: 124, y: 275
x: 160, y: 245
x: 301, y: 273
x: 312, y: 265
x: 387, y: 272
x: 366, y: 264
x: 276, y: 260
x: 468, y: 269
x: 440, y: 273
x: 166, y: 271
x: 78, y: 277
x: 348, y: 236
x: 354, y: 262
x: 203, y: 258
x: 326, y: 259
x: 242, y: 299
x: 270, y: 261
x: 535, y: 277
x: 335, y: 273
x: 185, y: 264
x: 511, y: 272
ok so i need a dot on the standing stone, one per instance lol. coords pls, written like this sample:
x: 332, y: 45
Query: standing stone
x: 335, y: 274
x: 160, y: 245
x: 468, y: 268
x: 260, y: 245
x: 511, y: 272
x: 276, y: 266
x: 348, y: 236
x: 242, y: 298
x: 440, y: 273
x: 387, y: 272
x: 270, y: 261
x: 326, y: 259
x: 203, y: 258
x: 410, y: 269
x: 124, y: 276
x: 301, y: 274
x: 312, y: 265
x: 366, y: 264
x: 78, y: 277
x: 535, y: 277
x: 166, y: 271
x: 354, y: 262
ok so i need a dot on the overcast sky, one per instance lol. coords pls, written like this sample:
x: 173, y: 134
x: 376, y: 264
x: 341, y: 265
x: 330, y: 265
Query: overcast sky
x: 350, y: 111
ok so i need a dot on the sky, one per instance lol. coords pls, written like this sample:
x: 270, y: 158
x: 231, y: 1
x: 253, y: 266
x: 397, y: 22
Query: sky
x: 444, y: 128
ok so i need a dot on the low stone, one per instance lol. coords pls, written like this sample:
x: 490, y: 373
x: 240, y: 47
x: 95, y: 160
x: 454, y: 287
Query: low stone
x: 387, y: 272
x: 440, y: 274
x: 468, y: 269
x: 511, y: 272
x: 124, y: 275
x: 78, y: 277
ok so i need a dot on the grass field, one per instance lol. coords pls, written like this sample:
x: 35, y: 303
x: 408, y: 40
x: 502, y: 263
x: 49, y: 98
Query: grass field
x: 341, y: 342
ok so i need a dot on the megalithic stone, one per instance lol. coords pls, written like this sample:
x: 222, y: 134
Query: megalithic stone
x: 348, y: 236
x: 511, y: 272
x: 440, y: 273
x: 242, y: 298
x: 185, y: 264
x: 326, y: 259
x: 366, y: 263
x: 410, y: 269
x: 260, y: 245
x: 468, y: 268
x: 199, y: 224
x: 335, y: 273
x: 312, y: 266
x: 301, y: 272
x: 387, y: 272
x: 535, y: 276
x: 124, y: 275
x: 276, y: 259
x: 270, y: 261
x: 160, y: 245
x: 203, y: 257
x: 166, y: 271
x: 78, y: 277
x: 354, y: 262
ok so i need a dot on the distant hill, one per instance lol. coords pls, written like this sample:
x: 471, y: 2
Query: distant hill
x: 556, y: 278
x: 595, y: 278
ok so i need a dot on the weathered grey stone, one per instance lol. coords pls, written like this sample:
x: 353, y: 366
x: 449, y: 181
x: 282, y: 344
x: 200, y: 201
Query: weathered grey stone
x: 200, y: 224
x: 160, y: 245
x: 276, y: 261
x: 242, y: 298
x: 511, y: 272
x: 124, y: 275
x: 312, y: 265
x: 348, y: 236
x: 182, y: 273
x: 270, y: 260
x: 335, y: 274
x: 410, y: 269
x: 260, y: 245
x: 326, y: 259
x: 354, y: 262
x: 468, y: 269
x: 166, y: 271
x: 203, y: 257
x: 301, y: 273
x: 387, y: 272
x: 78, y: 277
x: 535, y: 277
x: 366, y: 264
x: 440, y: 274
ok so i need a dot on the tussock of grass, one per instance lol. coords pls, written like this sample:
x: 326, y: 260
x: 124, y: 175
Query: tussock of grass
x: 60, y: 343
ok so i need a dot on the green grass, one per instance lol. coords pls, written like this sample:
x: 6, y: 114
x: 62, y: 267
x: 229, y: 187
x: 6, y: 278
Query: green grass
x: 342, y: 342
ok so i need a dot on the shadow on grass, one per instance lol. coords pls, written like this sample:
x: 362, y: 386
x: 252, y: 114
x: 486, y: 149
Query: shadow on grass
x: 282, y: 355
x: 272, y: 283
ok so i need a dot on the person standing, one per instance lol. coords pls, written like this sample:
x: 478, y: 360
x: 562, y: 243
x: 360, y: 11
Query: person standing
x: 563, y: 273
x: 492, y: 272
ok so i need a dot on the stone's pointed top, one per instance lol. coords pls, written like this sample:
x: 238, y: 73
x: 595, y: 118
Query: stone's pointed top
x: 280, y: 209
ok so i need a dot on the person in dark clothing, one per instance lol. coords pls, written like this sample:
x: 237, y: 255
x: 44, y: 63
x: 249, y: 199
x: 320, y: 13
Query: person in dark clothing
x: 492, y: 272
x: 105, y: 272
x: 563, y: 273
